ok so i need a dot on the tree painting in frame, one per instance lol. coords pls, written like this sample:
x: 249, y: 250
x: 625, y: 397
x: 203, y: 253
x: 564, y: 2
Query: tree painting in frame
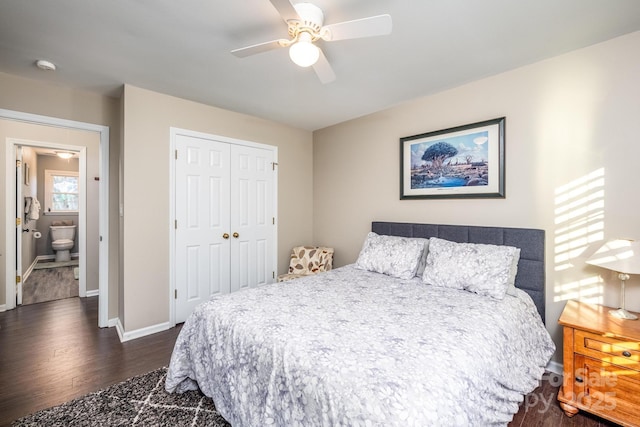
x: 461, y: 162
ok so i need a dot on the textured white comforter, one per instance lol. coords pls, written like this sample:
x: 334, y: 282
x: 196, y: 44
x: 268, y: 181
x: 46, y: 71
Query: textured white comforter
x: 351, y: 347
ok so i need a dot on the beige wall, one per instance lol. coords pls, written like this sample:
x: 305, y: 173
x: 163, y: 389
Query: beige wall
x: 138, y: 291
x: 48, y: 99
x: 571, y: 165
x: 571, y: 126
x: 148, y: 117
x: 29, y: 132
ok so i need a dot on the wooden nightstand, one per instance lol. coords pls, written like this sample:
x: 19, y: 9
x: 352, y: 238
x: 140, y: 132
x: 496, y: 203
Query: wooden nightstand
x: 601, y: 356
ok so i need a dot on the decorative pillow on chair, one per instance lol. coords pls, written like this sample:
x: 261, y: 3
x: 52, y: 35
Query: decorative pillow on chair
x: 483, y: 269
x: 307, y: 260
x: 391, y: 255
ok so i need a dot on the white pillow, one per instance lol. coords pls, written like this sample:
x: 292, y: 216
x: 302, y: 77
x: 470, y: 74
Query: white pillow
x: 391, y: 255
x: 484, y: 269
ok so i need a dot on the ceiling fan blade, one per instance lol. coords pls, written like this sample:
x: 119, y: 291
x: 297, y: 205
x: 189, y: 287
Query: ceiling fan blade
x: 379, y: 25
x: 285, y: 9
x: 323, y: 69
x: 243, y: 52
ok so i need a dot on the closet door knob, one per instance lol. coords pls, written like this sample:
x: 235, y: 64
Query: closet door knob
x: 236, y: 235
x: 225, y: 236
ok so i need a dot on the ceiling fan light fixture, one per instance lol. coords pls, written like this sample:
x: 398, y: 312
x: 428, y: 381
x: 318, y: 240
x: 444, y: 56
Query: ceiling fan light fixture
x: 303, y: 52
x: 305, y: 26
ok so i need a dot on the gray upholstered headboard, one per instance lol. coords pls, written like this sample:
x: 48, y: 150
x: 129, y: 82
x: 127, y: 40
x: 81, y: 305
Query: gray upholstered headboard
x: 531, y: 274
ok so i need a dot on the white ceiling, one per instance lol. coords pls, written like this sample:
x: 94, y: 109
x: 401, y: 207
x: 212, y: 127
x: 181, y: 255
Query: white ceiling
x: 182, y: 48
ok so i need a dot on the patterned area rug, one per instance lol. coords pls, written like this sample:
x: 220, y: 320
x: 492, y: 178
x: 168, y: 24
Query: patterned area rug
x: 139, y: 401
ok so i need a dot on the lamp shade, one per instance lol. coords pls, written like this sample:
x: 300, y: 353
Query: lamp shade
x: 622, y: 256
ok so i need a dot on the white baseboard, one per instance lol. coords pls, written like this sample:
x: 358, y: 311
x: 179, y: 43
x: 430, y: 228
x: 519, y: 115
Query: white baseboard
x: 112, y: 322
x: 555, y: 367
x: 27, y: 273
x: 50, y: 257
x: 93, y: 293
x: 119, y: 329
x: 142, y: 332
x: 3, y: 307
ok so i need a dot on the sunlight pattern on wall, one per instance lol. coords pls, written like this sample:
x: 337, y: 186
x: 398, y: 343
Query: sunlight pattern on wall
x: 579, y: 222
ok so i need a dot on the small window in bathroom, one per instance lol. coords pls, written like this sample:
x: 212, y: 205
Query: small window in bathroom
x: 60, y: 191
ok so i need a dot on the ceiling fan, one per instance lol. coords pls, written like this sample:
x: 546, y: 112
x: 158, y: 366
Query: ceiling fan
x: 305, y: 25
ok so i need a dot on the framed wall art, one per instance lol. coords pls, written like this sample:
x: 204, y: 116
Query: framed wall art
x: 460, y: 162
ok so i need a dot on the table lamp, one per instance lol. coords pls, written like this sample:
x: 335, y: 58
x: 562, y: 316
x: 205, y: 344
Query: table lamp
x: 623, y: 257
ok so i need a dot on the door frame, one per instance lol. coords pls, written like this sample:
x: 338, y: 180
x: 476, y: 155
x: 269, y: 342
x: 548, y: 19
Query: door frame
x: 103, y: 204
x: 82, y: 201
x: 174, y: 132
x: 20, y: 174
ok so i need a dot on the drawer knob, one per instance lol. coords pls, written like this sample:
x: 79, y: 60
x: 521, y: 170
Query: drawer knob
x: 626, y: 353
x: 579, y: 379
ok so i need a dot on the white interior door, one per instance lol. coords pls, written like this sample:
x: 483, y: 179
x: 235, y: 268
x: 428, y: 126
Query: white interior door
x: 202, y: 222
x: 252, y: 217
x: 19, y: 223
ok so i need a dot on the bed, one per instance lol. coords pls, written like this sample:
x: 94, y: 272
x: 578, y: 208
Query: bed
x: 355, y: 346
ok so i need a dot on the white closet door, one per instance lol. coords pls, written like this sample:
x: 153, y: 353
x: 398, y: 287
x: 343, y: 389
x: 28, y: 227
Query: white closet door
x: 252, y: 216
x: 202, y: 215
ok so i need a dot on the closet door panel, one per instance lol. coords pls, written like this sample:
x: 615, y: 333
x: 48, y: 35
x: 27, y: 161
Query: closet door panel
x: 225, y: 236
x: 252, y: 210
x: 202, y: 217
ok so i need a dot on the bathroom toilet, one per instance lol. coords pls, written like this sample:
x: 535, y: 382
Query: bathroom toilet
x: 62, y: 241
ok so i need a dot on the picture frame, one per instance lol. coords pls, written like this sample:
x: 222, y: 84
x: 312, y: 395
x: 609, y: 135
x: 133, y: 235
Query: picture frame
x: 459, y: 162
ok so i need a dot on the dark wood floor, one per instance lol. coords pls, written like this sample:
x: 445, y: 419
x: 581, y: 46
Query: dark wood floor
x: 53, y: 352
x: 540, y: 408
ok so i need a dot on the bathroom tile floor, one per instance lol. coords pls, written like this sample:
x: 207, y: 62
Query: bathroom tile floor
x: 53, y: 264
x: 48, y: 284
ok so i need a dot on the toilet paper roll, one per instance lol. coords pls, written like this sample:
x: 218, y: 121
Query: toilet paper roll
x: 37, y: 235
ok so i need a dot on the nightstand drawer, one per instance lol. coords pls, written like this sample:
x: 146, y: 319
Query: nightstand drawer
x: 601, y: 356
x: 608, y: 390
x: 625, y: 353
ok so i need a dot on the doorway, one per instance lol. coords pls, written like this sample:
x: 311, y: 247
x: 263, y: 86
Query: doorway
x: 52, y: 195
x: 102, y: 179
